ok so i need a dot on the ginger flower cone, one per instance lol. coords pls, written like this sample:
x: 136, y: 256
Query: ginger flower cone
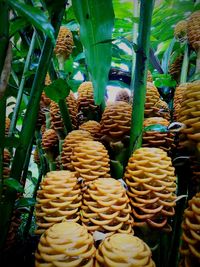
x: 175, y: 68
x: 116, y: 120
x: 56, y: 118
x: 50, y: 144
x: 64, y: 45
x: 151, y: 187
x: 149, y: 77
x: 180, y: 30
x: 6, y: 163
x: 123, y: 250
x: 178, y: 97
x: 58, y: 199
x: 151, y: 138
x: 190, y: 248
x: 92, y: 127
x: 189, y: 114
x: 106, y: 207
x: 193, y: 30
x: 70, y: 142
x: 7, y: 126
x: 87, y: 110
x: 65, y: 244
x: 90, y: 160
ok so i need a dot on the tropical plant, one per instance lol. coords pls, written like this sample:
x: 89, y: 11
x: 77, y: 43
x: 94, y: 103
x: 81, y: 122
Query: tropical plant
x: 60, y: 61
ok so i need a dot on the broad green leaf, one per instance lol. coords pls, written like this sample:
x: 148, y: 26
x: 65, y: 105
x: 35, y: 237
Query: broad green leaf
x: 35, y: 16
x: 156, y: 127
x: 16, y: 25
x: 12, y: 141
x: 57, y: 90
x: 13, y: 184
x: 80, y: 56
x: 96, y: 19
x: 25, y: 202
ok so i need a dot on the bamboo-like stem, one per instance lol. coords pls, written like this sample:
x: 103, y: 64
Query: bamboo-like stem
x: 29, y: 123
x: 65, y: 115
x: 4, y: 39
x: 21, y: 86
x: 135, y: 31
x: 139, y: 85
x: 184, y: 69
x: 198, y: 62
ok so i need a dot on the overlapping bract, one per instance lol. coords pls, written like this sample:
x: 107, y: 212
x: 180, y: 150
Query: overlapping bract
x: 65, y: 244
x: 64, y: 44
x: 106, y: 207
x: 116, y: 120
x: 92, y: 127
x: 56, y: 118
x: 6, y: 163
x: 49, y: 140
x: 190, y: 248
x: 151, y: 186
x: 58, y: 199
x: 71, y: 141
x: 178, y: 96
x: 123, y: 250
x: 189, y: 114
x: 180, y: 30
x: 193, y: 30
x: 90, y: 160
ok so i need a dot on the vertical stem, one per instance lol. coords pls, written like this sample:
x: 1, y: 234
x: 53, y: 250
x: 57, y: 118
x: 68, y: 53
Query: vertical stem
x: 65, y: 115
x: 21, y: 87
x: 184, y: 69
x: 198, y: 62
x: 135, y: 31
x: 139, y: 85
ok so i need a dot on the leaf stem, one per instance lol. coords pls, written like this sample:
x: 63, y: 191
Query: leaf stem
x: 139, y: 84
x: 184, y: 69
x: 21, y: 86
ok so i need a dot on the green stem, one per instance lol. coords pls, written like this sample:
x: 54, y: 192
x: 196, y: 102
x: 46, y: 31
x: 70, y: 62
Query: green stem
x: 65, y: 115
x: 21, y: 86
x: 29, y: 123
x: 2, y: 139
x: 184, y: 69
x: 139, y: 85
x: 135, y: 30
x: 198, y: 62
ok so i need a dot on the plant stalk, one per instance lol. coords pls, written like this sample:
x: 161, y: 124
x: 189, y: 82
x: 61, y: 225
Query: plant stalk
x: 139, y: 84
x: 21, y: 86
x: 184, y: 69
x: 65, y: 115
x: 134, y: 40
x: 29, y: 123
x: 198, y: 62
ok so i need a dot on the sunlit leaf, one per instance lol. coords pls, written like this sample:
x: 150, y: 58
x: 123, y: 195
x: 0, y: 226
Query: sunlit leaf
x: 57, y: 90
x: 13, y: 184
x: 96, y: 20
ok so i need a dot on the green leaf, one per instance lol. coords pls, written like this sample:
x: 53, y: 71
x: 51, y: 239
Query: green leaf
x: 116, y: 169
x: 68, y: 66
x: 156, y: 127
x: 57, y: 90
x: 96, y: 19
x: 35, y: 16
x: 12, y: 141
x: 25, y: 202
x: 13, y: 184
x: 16, y: 25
